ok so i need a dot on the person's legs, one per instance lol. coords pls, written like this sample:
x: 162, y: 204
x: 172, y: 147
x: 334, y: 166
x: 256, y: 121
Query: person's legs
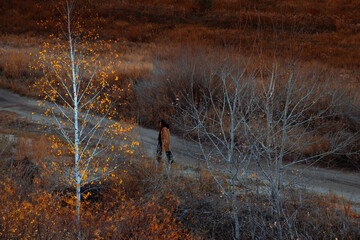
x: 169, y: 157
x: 158, y: 154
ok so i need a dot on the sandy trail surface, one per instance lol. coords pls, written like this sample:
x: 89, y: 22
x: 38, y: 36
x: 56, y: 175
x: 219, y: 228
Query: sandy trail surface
x: 314, y: 179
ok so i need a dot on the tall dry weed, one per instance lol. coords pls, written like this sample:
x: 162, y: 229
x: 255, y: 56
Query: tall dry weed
x: 24, y: 147
x: 15, y: 64
x: 40, y: 148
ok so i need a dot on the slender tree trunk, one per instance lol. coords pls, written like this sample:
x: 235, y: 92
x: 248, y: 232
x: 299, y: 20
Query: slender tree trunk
x: 279, y: 162
x: 233, y: 176
x: 76, y: 149
x: 76, y: 152
x: 76, y: 127
x: 235, y: 215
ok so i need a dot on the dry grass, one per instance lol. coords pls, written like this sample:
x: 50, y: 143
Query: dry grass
x: 330, y: 35
x: 11, y: 123
x: 20, y: 42
x: 146, y: 202
x: 317, y: 29
x: 14, y: 63
x: 31, y: 147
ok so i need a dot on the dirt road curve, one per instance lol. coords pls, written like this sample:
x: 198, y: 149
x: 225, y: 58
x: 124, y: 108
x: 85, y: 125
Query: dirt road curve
x: 313, y: 179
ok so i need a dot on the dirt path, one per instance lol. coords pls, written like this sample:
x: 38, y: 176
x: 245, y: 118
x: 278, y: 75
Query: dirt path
x: 314, y: 179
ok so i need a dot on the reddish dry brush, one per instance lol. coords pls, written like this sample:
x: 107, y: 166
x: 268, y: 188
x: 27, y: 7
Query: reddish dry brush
x: 145, y: 203
x: 42, y: 213
x: 330, y: 29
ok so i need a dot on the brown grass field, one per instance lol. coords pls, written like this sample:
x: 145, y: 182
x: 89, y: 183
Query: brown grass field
x: 322, y: 34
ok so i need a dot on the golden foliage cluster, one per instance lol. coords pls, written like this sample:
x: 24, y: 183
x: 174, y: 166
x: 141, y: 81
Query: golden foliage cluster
x: 31, y: 206
x: 50, y: 215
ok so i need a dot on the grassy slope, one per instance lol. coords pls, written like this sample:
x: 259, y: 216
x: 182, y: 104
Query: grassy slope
x: 328, y: 31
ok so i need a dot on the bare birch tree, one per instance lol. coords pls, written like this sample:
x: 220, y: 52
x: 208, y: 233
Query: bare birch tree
x: 217, y: 108
x: 76, y: 82
x: 293, y: 125
x: 262, y: 122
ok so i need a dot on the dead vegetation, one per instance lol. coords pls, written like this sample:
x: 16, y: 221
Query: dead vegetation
x: 141, y: 201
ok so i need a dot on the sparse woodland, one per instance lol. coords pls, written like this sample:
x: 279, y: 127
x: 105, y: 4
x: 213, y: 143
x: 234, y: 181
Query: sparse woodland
x: 259, y: 86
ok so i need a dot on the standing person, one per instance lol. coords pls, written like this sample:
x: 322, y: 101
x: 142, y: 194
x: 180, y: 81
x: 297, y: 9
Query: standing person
x: 164, y: 142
